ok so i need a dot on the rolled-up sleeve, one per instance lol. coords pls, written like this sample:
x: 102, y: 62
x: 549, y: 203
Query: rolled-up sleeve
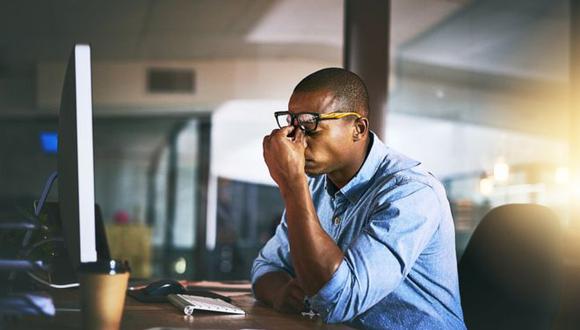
x: 401, y: 225
x: 275, y: 255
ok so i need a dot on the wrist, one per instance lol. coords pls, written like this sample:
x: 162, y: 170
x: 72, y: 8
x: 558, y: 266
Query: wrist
x: 294, y: 185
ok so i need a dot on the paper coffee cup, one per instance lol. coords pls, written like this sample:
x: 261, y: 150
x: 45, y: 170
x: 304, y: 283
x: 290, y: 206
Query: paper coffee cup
x: 103, y: 287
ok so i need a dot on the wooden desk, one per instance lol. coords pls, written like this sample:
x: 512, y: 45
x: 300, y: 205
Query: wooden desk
x: 139, y: 315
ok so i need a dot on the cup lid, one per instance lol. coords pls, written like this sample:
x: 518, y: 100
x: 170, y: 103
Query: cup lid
x: 111, y: 267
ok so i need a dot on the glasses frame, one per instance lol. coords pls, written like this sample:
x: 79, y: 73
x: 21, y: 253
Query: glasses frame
x: 317, y: 118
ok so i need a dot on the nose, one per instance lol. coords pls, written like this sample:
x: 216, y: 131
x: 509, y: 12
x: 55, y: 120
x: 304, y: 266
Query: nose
x: 295, y: 122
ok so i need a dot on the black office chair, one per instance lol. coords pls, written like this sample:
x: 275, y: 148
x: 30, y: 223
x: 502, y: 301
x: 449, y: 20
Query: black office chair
x: 510, y: 274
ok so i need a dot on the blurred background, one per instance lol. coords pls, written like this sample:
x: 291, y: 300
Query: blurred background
x: 184, y: 91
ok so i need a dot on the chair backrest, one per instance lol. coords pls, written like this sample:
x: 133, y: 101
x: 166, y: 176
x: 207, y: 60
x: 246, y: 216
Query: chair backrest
x: 510, y: 274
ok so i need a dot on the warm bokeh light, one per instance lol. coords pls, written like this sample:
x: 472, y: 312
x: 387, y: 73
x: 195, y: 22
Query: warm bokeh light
x: 180, y: 265
x: 562, y: 175
x: 486, y: 186
x: 501, y: 171
x: 575, y: 188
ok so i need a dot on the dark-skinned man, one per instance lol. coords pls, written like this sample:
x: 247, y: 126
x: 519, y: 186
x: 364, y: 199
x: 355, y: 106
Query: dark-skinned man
x: 367, y: 235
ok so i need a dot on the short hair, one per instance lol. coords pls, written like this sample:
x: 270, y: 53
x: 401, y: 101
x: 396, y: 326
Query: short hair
x: 349, y: 88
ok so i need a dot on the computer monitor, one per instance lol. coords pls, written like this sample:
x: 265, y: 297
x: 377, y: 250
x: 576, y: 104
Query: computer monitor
x: 76, y: 191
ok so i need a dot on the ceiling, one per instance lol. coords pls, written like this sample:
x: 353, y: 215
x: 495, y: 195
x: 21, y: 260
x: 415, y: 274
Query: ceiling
x: 449, y: 45
x: 518, y: 38
x: 492, y: 63
x: 33, y: 31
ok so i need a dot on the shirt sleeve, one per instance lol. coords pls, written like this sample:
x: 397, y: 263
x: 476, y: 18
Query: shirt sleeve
x: 275, y: 255
x: 382, y: 255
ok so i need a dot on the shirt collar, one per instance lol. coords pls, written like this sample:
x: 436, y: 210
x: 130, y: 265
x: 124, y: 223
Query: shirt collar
x: 379, y: 155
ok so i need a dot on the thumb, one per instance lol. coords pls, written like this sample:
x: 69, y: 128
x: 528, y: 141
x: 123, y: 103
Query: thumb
x: 287, y: 130
x: 299, y: 137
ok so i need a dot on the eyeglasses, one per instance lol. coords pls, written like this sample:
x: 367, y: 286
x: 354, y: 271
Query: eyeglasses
x: 308, y: 121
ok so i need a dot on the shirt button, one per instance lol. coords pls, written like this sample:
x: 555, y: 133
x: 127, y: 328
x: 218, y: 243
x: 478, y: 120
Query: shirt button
x: 336, y: 220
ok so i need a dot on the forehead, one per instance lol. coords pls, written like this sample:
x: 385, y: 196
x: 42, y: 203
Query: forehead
x: 322, y: 101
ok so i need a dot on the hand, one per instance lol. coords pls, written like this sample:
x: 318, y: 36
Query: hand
x: 290, y: 298
x: 284, y: 156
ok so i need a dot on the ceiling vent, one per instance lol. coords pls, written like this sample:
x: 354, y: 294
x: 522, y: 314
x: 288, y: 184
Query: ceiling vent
x: 170, y: 80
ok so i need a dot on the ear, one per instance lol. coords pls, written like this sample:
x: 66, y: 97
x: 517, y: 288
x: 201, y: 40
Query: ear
x: 361, y: 129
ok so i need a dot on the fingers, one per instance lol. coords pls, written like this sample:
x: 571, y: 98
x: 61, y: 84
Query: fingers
x: 299, y: 137
x: 286, y: 130
x: 295, y: 284
x: 291, y: 299
x: 290, y: 306
x: 265, y: 143
x: 297, y: 305
x: 293, y: 303
x: 296, y: 292
x: 297, y: 296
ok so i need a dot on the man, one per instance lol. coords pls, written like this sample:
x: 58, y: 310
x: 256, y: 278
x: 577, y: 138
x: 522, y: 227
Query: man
x: 368, y: 239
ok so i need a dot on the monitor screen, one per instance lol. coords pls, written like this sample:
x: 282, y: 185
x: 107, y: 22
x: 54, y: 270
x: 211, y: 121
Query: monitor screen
x: 49, y: 142
x: 75, y: 159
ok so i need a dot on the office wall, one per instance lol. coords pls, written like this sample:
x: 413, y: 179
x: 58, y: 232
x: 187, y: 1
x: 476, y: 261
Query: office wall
x: 17, y: 91
x: 124, y: 148
x: 121, y: 86
x: 449, y: 148
x: 23, y: 166
x: 445, y: 147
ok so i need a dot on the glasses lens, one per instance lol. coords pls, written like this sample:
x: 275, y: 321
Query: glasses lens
x: 307, y: 121
x: 283, y: 119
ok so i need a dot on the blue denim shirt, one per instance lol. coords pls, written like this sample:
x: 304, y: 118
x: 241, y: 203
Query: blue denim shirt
x: 394, y: 225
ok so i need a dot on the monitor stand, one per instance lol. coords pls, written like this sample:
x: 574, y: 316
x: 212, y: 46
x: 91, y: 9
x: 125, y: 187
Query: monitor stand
x: 60, y: 265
